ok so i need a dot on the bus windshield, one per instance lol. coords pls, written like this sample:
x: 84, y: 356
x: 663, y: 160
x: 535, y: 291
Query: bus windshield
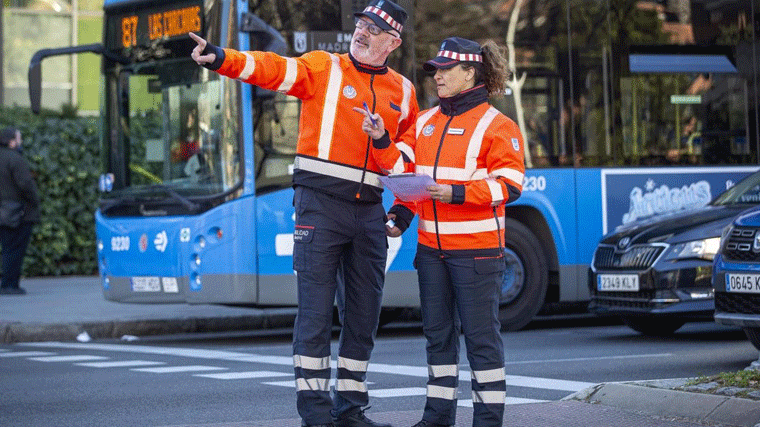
x: 170, y: 125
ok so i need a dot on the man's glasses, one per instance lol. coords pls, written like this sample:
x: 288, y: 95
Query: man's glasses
x: 372, y: 28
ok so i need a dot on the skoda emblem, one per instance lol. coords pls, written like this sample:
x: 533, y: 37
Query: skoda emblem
x: 428, y: 130
x: 623, y: 243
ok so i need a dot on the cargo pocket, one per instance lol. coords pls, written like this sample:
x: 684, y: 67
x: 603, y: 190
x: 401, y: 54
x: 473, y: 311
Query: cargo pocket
x: 302, y: 237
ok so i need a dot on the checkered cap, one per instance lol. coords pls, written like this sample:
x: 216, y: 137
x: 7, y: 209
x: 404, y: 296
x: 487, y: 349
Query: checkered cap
x: 386, y: 14
x: 453, y: 51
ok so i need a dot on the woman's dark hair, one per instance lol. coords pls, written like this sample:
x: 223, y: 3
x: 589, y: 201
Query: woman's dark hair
x: 493, y: 70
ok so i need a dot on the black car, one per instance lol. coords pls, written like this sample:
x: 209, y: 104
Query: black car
x: 656, y: 274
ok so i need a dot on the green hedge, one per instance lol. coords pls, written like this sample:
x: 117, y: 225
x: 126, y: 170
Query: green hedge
x: 63, y: 153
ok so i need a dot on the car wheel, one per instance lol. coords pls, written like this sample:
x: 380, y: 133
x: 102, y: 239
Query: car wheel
x: 653, y: 327
x: 753, y: 334
x: 526, y: 277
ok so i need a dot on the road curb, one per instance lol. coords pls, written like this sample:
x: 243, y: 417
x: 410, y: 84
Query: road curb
x: 12, y: 332
x: 702, y: 407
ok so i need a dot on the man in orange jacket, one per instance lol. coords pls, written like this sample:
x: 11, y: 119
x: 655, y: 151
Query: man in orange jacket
x: 340, y: 220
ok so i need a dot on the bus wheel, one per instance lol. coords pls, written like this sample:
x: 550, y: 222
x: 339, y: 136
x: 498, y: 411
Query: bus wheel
x: 526, y: 277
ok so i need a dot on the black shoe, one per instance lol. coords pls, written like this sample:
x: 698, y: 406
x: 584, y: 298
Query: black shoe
x: 425, y: 423
x: 319, y: 425
x: 12, y: 291
x: 357, y: 419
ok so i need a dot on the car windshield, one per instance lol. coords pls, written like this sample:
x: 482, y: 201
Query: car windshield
x: 746, y: 191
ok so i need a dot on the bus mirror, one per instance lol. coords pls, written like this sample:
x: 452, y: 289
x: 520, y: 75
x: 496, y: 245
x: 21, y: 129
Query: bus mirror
x: 269, y: 39
x: 35, y: 82
x: 35, y: 67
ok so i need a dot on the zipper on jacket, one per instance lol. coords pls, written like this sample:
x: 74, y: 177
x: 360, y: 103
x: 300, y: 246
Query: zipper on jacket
x: 498, y: 231
x: 369, y: 138
x: 435, y: 172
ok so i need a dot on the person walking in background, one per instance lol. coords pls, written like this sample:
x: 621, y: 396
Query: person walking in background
x: 475, y: 154
x: 340, y: 219
x: 19, y: 201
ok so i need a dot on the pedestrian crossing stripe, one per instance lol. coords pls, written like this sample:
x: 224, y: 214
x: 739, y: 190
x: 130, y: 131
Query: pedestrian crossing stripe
x: 245, y: 375
x: 72, y: 358
x: 174, y: 369
x: 120, y: 364
x: 27, y: 354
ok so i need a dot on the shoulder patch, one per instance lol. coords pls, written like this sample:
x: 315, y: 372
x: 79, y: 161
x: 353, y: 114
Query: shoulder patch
x: 516, y: 144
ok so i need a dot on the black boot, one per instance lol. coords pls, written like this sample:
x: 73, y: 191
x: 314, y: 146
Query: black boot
x: 357, y: 419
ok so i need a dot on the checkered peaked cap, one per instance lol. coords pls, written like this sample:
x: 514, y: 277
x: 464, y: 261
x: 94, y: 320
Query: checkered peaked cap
x: 453, y: 51
x: 386, y: 14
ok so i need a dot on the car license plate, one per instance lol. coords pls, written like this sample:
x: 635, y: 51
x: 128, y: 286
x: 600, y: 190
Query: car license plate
x: 746, y: 283
x: 617, y: 282
x: 146, y: 284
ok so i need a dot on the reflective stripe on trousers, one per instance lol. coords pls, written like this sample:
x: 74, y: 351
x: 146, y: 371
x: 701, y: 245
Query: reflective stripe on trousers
x: 339, y: 247
x: 471, y: 286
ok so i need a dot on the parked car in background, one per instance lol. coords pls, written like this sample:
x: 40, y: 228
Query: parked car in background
x: 656, y: 274
x: 736, y: 275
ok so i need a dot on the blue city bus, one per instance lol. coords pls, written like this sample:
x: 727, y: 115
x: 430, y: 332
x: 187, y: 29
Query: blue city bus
x: 630, y: 109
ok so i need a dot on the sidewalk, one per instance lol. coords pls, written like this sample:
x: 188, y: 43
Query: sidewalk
x: 60, y: 309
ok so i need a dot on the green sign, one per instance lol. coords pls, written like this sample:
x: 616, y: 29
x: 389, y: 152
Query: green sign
x: 685, y: 99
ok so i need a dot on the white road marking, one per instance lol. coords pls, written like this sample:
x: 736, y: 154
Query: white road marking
x: 173, y: 369
x: 27, y: 354
x: 412, y: 371
x: 74, y: 358
x: 244, y: 375
x: 589, y: 359
x: 120, y: 364
x: 398, y: 392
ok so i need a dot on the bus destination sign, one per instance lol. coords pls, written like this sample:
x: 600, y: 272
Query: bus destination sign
x: 145, y: 27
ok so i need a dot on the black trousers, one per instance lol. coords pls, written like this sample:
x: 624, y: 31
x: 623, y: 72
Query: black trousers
x: 461, y: 293
x: 340, y: 247
x: 14, y: 242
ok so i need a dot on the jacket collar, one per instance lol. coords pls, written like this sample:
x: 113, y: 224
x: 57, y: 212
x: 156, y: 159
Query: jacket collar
x: 464, y: 101
x: 369, y: 69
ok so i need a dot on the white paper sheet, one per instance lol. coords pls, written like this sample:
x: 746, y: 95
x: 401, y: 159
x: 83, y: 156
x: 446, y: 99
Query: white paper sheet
x: 409, y: 187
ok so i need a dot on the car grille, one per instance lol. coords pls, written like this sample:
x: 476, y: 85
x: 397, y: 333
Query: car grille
x: 639, y: 299
x: 636, y: 257
x: 737, y: 303
x: 739, y: 246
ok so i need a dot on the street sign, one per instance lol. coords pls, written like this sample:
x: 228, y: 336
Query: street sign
x: 330, y: 41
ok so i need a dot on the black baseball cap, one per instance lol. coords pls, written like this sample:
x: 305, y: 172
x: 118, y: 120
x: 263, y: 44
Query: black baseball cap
x: 385, y: 14
x: 453, y: 51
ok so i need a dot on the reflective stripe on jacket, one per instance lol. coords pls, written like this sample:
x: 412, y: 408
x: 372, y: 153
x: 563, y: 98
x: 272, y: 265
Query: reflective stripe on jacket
x: 332, y: 153
x: 480, y: 150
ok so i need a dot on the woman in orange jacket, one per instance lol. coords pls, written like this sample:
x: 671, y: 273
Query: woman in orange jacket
x: 475, y: 155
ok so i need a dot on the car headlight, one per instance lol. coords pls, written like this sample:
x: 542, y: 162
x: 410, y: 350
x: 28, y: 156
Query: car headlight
x: 704, y: 249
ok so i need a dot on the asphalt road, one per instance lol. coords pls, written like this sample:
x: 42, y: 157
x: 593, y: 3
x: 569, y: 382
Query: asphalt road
x: 247, y: 377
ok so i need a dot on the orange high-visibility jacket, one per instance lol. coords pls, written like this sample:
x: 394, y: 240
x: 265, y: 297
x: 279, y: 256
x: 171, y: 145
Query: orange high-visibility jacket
x: 332, y: 154
x: 480, y: 153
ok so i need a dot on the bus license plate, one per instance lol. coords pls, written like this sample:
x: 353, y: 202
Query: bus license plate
x: 617, y: 282
x: 746, y: 283
x: 146, y: 284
